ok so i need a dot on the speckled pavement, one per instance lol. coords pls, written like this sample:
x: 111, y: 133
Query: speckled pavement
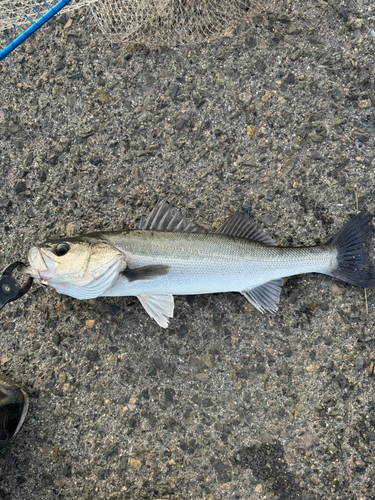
x: 276, y: 119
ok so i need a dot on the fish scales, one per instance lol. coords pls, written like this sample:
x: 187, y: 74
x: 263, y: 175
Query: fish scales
x: 211, y: 263
x: 167, y: 255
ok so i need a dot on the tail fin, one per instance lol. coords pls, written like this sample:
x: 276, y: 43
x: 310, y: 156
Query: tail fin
x: 351, y: 242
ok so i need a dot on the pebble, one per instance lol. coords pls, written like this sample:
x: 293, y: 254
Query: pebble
x: 135, y: 464
x: 100, y: 95
x: 113, y: 360
x: 92, y: 355
x: 71, y: 101
x: 365, y: 103
x: 55, y: 455
x: 267, y: 96
x: 359, y: 362
x: 20, y: 187
x: 290, y: 79
x: 245, y: 97
x: 8, y: 326
x: 5, y: 202
x: 338, y: 289
x: 252, y: 131
x: 174, y: 92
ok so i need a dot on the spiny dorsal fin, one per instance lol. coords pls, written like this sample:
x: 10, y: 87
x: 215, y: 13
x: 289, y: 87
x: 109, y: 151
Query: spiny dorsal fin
x: 164, y: 217
x: 265, y: 297
x: 159, y: 307
x: 240, y: 226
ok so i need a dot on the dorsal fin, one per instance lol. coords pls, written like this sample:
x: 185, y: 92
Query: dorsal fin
x: 240, y: 226
x: 164, y: 217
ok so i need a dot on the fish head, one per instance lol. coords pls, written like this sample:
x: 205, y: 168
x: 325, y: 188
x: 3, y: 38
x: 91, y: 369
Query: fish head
x: 83, y: 267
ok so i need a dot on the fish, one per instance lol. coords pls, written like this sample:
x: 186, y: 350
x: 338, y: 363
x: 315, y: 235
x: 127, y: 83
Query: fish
x: 166, y: 254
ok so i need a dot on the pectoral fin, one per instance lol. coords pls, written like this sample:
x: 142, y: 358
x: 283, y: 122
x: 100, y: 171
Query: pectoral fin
x: 159, y: 307
x: 146, y: 272
x: 265, y: 297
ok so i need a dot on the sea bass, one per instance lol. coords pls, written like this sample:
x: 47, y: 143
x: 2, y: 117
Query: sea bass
x: 166, y: 254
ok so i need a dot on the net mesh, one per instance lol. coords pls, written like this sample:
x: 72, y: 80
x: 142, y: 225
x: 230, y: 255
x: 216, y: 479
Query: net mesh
x: 170, y: 22
x: 149, y: 22
x: 14, y: 12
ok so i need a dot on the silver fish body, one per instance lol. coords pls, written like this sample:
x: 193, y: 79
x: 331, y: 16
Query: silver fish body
x: 210, y: 263
x: 167, y: 255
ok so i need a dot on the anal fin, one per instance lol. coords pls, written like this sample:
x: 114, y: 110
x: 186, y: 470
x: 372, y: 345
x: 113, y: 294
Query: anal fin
x: 265, y: 297
x: 159, y: 307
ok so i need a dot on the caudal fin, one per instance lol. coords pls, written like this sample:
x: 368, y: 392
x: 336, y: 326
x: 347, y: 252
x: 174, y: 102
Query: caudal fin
x: 351, y: 242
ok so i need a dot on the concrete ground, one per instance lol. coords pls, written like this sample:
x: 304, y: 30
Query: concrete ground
x: 276, y: 118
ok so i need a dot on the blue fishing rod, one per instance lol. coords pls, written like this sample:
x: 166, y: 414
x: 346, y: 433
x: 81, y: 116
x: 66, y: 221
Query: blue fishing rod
x: 34, y: 27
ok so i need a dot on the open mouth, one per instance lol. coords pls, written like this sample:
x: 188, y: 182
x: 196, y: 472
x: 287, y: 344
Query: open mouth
x: 24, y: 269
x: 27, y: 270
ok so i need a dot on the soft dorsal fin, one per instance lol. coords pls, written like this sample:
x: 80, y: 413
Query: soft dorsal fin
x: 240, y: 226
x: 265, y: 297
x: 164, y: 217
x: 159, y: 307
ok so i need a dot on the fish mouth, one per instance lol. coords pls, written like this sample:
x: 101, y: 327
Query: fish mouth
x: 29, y: 271
x: 35, y: 266
x: 24, y: 269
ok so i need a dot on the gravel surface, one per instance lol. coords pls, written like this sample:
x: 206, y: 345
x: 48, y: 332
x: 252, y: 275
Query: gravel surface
x: 277, y: 119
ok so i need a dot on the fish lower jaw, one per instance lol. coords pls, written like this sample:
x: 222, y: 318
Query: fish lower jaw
x: 26, y: 269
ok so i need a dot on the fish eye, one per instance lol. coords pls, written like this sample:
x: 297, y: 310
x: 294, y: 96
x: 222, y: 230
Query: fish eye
x: 62, y: 249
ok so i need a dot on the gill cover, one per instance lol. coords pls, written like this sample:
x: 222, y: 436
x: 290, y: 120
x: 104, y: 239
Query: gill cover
x: 86, y: 271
